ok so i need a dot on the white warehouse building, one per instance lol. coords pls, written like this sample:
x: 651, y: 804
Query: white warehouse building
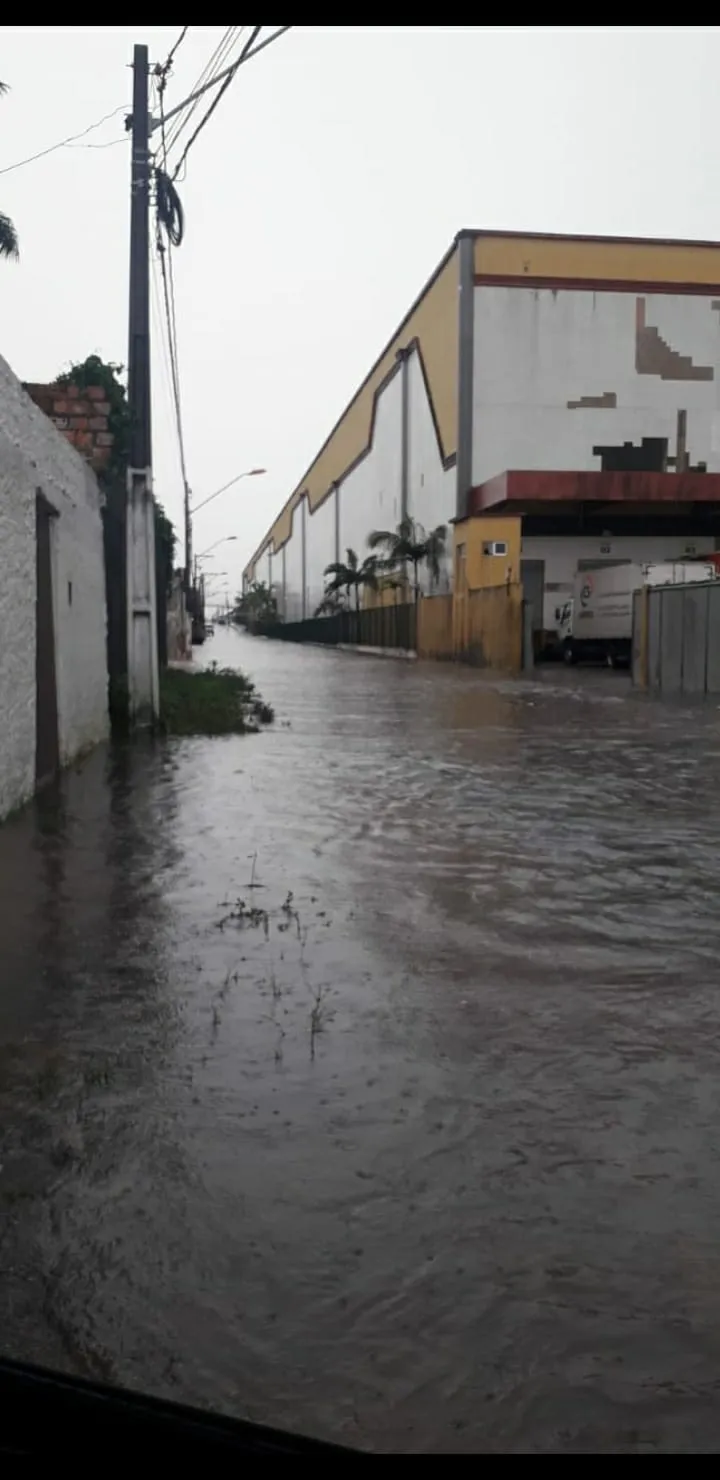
x: 568, y: 382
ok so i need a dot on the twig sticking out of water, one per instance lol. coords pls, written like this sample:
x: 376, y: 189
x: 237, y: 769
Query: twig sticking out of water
x: 244, y: 914
x: 318, y: 1017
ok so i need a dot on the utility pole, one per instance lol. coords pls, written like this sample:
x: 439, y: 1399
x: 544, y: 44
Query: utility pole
x: 143, y: 671
x: 189, y: 572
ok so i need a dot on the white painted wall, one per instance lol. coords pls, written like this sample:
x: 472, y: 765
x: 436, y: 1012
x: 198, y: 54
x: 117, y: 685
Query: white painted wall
x: 34, y: 455
x: 370, y: 496
x: 561, y: 554
x: 293, y: 569
x: 320, y: 552
x: 17, y: 618
x: 80, y: 606
x: 431, y: 488
x: 537, y: 349
x: 263, y: 569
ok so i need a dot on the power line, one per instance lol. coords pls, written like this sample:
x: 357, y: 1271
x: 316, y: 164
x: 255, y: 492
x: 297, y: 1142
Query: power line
x: 162, y: 338
x: 66, y: 143
x: 213, y: 66
x: 159, y: 81
x: 253, y: 36
x: 247, y: 56
x: 175, y: 48
x: 171, y: 326
x: 249, y: 50
x: 111, y: 144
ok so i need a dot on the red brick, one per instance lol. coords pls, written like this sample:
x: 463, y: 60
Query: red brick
x: 79, y: 423
x: 98, y: 424
x: 72, y: 392
x: 84, y: 441
x: 61, y: 422
x: 101, y: 408
x: 42, y: 396
x: 61, y: 407
x: 95, y: 393
x: 104, y: 439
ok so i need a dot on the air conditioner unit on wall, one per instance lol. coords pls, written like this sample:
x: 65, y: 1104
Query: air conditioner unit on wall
x: 495, y: 547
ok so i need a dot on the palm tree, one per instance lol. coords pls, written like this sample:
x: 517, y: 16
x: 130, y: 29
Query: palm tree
x: 351, y: 575
x: 410, y: 544
x: 257, y: 604
x: 331, y: 605
x: 8, y: 235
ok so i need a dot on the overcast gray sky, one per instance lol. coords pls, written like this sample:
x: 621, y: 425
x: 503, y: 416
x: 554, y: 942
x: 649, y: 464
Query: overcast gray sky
x: 328, y: 183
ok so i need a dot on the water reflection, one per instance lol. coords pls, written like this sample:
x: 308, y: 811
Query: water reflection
x: 360, y: 1076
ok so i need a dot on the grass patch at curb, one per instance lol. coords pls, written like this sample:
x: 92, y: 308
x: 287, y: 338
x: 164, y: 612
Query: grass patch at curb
x: 211, y: 701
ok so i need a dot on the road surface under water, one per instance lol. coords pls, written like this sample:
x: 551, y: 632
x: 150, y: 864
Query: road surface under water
x: 362, y: 1077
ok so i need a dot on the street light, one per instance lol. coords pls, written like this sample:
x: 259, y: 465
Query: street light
x: 252, y: 473
x: 224, y: 541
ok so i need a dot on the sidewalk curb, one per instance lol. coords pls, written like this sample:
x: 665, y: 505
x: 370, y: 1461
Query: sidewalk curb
x: 405, y: 655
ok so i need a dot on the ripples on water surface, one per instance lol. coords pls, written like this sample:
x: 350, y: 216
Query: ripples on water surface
x: 424, y: 1157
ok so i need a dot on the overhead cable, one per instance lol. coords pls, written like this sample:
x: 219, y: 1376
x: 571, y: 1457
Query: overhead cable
x: 171, y: 327
x: 66, y: 143
x: 175, y: 48
x: 211, y: 68
x: 249, y: 50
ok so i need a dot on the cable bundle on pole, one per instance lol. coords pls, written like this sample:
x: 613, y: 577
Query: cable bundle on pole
x: 169, y: 207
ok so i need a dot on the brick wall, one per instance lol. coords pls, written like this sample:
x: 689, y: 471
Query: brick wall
x: 81, y: 416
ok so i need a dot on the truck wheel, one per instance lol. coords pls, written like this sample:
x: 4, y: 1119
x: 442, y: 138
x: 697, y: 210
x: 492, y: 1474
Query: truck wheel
x: 568, y: 652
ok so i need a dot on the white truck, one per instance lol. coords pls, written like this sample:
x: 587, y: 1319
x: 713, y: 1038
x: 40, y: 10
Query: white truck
x: 597, y: 621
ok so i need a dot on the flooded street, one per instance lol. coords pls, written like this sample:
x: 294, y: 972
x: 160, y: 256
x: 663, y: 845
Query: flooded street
x: 361, y: 1077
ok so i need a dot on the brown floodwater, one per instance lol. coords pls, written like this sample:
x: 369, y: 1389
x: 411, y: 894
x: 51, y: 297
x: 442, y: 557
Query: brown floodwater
x: 362, y: 1077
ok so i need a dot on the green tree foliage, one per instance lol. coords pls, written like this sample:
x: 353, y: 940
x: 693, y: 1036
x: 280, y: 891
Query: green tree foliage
x: 256, y: 605
x: 410, y: 544
x: 350, y: 575
x: 8, y: 235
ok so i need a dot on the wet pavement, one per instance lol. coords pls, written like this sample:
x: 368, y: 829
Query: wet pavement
x: 362, y: 1077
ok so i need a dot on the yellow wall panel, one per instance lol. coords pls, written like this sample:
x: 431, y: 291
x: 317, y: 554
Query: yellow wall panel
x: 595, y: 259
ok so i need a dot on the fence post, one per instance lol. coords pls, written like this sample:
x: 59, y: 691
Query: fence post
x: 643, y: 608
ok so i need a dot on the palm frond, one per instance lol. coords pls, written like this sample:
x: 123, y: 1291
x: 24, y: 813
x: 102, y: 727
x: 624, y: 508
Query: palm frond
x: 434, y: 551
x: 379, y: 538
x: 8, y: 238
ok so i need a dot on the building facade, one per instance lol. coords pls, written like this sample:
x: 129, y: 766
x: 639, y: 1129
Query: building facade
x: 53, y: 662
x: 571, y: 382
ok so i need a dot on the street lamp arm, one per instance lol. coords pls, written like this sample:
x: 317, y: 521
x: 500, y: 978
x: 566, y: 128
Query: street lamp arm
x: 226, y: 540
x: 253, y: 473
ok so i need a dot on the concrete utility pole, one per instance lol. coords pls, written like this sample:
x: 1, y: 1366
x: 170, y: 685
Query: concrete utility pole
x: 188, y: 541
x: 143, y: 670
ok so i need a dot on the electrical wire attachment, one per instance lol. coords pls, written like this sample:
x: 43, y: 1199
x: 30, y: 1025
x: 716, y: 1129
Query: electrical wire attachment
x: 169, y: 208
